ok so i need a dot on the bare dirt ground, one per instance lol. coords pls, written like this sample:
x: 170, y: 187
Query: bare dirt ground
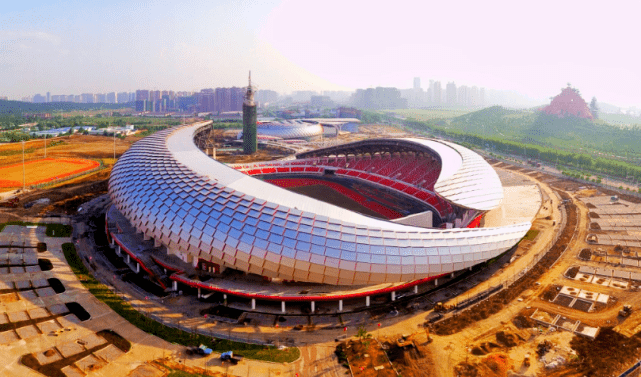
x: 77, y: 146
x: 494, y: 344
x: 468, y: 351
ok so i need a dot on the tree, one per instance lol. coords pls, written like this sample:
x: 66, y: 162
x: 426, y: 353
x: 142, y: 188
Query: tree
x: 362, y: 333
x: 594, y: 108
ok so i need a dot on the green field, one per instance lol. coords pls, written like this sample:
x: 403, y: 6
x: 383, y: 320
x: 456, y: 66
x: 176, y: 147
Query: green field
x: 429, y: 114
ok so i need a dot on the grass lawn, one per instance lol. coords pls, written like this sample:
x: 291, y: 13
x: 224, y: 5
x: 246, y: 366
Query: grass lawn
x: 53, y: 230
x: 124, y: 309
x: 180, y: 373
x: 58, y: 230
x: 21, y: 223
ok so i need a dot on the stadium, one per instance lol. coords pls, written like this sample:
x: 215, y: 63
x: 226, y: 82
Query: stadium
x: 352, y: 221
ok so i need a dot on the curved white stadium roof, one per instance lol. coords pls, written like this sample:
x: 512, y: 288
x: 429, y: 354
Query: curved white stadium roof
x: 173, y: 192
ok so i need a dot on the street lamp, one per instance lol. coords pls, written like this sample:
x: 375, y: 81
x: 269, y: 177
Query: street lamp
x: 24, y: 182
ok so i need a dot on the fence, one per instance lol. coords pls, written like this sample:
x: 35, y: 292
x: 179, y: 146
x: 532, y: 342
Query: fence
x: 68, y: 178
x: 546, y: 249
x: 633, y: 371
x: 509, y: 280
x: 604, y: 185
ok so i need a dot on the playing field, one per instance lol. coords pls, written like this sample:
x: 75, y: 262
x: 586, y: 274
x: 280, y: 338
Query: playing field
x: 43, y: 170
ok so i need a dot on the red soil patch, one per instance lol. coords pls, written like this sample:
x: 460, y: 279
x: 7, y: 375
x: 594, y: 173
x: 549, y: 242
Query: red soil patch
x: 44, y: 170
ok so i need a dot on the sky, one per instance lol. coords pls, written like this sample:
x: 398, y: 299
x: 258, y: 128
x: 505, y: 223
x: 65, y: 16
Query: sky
x: 533, y: 48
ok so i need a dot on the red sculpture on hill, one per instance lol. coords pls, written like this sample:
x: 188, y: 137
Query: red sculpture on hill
x: 568, y: 103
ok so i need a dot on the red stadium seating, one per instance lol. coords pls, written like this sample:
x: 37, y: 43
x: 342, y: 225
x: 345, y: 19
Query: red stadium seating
x: 410, y: 174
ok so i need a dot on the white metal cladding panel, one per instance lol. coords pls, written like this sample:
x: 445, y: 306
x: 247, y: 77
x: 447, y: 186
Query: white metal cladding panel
x: 286, y: 238
x: 475, y: 185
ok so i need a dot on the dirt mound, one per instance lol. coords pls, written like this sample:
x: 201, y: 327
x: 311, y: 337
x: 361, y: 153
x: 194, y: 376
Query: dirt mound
x: 594, y: 215
x: 621, y: 352
x: 494, y: 365
x: 585, y: 254
x: 550, y: 292
x: 572, y: 271
x: 485, y: 348
x: 509, y: 339
x: 590, y: 205
x: 595, y: 226
x: 523, y: 322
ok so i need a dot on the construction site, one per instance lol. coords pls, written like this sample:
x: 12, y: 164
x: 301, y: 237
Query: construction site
x: 563, y: 302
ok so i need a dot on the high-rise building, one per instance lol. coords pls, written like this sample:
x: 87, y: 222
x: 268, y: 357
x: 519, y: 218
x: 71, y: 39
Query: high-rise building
x: 463, y: 95
x: 87, y: 98
x: 266, y: 96
x: 321, y: 101
x: 39, y: 98
x: 48, y: 97
x: 379, y: 98
x: 237, y: 96
x: 437, y: 94
x: 122, y: 97
x: 450, y: 93
x: 100, y: 98
x: 142, y: 95
x: 475, y: 97
x: 111, y: 97
x: 207, y: 101
x: 482, y: 97
x: 417, y: 83
x: 142, y: 100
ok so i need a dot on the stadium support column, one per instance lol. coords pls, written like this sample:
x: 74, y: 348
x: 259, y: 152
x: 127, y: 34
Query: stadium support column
x: 250, y: 144
x: 253, y: 304
x: 282, y: 306
x: 313, y: 303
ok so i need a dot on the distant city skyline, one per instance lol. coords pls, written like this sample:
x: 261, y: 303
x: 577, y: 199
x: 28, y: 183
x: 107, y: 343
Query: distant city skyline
x: 78, y: 47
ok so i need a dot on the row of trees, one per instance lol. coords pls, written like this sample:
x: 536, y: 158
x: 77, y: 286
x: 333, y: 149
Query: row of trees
x: 581, y: 161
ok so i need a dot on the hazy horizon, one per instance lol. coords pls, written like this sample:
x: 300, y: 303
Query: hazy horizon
x: 76, y: 47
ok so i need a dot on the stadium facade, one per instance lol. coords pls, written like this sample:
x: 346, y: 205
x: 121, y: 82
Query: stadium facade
x: 229, y: 216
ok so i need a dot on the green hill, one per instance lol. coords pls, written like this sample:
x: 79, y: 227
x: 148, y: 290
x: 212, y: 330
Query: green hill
x: 495, y: 121
x: 534, y: 127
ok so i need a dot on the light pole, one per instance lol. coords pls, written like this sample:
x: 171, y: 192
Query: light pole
x: 24, y: 175
x: 114, y: 146
x: 45, y: 145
